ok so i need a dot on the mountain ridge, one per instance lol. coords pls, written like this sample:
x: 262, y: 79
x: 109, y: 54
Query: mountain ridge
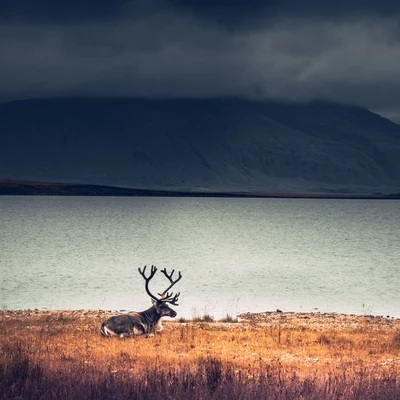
x: 201, y: 144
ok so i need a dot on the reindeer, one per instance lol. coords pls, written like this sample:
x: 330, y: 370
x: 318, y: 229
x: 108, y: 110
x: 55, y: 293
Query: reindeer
x: 145, y: 322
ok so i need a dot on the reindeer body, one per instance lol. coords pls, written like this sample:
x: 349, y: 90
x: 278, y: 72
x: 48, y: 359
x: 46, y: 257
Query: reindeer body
x: 132, y: 324
x: 146, y: 322
x: 126, y: 325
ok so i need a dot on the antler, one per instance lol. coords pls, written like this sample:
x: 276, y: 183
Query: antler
x: 170, y: 297
x: 165, y: 296
x: 148, y: 279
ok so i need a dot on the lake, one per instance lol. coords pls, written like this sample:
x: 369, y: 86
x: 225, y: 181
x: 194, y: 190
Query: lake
x: 236, y: 255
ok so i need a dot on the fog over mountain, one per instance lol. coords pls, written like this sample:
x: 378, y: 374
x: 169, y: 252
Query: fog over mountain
x: 201, y: 144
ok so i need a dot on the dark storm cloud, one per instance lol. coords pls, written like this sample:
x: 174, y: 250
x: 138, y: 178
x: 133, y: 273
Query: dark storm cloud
x: 345, y: 51
x: 254, y: 14
x: 234, y: 13
x: 38, y: 11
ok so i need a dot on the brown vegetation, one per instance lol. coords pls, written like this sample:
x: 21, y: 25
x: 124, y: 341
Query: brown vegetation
x: 61, y: 355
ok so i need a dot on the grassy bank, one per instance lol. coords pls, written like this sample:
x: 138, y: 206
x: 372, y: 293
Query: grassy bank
x: 61, y: 355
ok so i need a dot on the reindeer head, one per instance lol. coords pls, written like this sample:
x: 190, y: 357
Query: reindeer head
x: 161, y: 303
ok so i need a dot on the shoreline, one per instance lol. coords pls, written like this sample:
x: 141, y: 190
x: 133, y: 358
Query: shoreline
x: 33, y: 188
x: 311, y: 320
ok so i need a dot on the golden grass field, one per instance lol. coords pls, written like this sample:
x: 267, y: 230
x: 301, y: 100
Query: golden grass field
x: 61, y: 355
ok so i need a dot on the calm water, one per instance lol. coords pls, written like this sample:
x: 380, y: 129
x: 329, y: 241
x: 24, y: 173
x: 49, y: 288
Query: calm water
x: 236, y: 255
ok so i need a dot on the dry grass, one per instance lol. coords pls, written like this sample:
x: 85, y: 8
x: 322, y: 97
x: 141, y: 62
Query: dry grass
x: 58, y: 355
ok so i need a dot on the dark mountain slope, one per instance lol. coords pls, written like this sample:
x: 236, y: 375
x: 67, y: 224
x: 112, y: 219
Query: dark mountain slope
x: 217, y: 144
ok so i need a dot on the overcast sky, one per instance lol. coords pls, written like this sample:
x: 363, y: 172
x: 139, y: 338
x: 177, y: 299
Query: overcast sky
x: 287, y: 49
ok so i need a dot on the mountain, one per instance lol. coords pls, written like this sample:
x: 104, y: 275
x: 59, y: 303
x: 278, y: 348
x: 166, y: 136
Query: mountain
x: 201, y: 144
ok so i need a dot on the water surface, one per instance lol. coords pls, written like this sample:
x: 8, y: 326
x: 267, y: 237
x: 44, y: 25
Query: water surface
x: 235, y: 255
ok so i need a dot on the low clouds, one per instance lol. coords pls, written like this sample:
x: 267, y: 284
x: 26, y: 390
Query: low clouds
x: 174, y: 51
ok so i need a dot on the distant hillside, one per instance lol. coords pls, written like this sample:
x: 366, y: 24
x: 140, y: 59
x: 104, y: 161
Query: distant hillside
x: 206, y: 145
